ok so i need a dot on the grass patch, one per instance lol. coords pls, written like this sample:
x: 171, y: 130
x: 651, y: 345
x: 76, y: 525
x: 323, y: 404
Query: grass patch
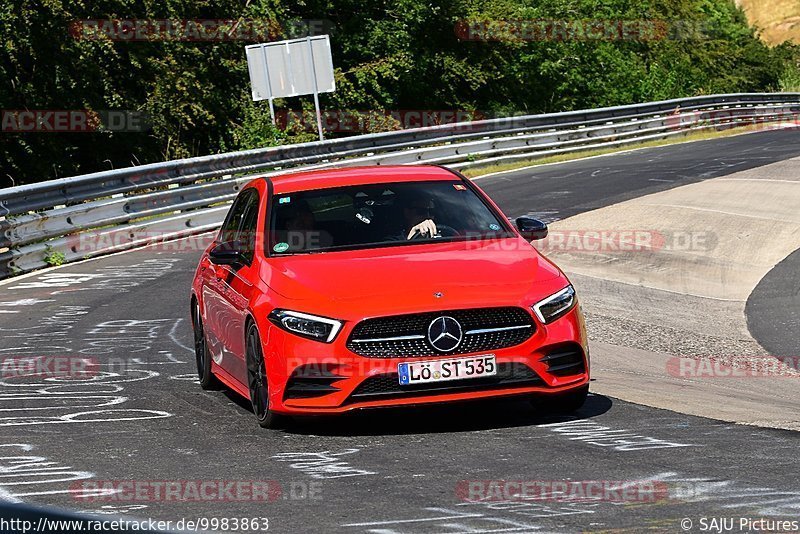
x: 53, y: 258
x: 558, y: 158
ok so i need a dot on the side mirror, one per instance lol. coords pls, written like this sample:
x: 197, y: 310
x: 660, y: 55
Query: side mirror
x: 531, y: 229
x: 226, y: 254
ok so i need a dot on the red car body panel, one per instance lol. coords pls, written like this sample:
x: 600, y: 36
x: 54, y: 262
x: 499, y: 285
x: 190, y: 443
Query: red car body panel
x: 355, y: 285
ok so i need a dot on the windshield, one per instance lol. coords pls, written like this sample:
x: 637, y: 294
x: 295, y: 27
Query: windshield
x: 372, y: 215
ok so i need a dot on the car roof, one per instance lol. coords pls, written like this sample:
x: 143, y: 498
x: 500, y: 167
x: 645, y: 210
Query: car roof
x: 376, y: 174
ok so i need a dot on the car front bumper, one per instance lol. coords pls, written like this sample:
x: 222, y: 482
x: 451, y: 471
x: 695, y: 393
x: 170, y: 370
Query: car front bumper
x: 309, y: 377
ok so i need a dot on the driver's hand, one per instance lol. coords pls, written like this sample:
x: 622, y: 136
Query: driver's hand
x: 426, y: 227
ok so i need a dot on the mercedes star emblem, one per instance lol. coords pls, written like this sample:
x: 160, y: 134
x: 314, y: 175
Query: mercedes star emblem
x: 444, y: 334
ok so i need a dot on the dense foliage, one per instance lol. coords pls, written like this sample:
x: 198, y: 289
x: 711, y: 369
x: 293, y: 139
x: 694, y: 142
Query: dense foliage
x: 389, y: 55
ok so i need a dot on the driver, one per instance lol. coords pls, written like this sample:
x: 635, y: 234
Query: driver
x: 418, y: 217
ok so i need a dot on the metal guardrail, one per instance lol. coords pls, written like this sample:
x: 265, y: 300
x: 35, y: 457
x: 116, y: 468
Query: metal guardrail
x: 84, y: 216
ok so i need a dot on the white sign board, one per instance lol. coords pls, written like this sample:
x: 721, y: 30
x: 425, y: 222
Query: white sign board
x: 290, y: 68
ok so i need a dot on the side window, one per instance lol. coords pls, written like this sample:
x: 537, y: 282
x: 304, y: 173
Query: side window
x: 240, y: 225
x: 233, y: 222
x: 247, y: 231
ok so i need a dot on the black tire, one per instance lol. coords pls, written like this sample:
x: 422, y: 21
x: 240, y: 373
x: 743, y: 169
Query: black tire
x: 258, y: 384
x: 202, y: 355
x: 564, y: 403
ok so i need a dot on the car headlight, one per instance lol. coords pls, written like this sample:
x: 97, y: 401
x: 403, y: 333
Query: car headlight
x: 555, y: 306
x: 306, y: 325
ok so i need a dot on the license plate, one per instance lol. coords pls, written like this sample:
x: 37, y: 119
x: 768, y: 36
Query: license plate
x: 446, y: 370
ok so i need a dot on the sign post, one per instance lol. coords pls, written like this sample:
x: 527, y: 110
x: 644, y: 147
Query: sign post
x: 291, y: 68
x: 316, y: 88
x: 266, y: 79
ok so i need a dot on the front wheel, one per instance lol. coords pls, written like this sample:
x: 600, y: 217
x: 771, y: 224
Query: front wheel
x: 563, y: 403
x: 257, y: 382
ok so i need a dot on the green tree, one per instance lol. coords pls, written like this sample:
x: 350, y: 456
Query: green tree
x: 389, y: 55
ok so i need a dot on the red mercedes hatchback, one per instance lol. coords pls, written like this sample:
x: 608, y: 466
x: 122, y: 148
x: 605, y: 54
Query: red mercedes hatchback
x: 329, y: 291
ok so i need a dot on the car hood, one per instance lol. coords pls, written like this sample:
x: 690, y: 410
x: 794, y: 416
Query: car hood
x: 414, y: 277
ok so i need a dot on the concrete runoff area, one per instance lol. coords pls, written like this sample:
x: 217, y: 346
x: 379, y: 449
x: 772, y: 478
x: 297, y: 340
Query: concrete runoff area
x: 643, y: 377
x: 715, y: 239
x: 699, y: 252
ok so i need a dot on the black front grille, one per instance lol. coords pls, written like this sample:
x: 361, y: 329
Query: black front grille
x: 387, y: 386
x: 369, y: 337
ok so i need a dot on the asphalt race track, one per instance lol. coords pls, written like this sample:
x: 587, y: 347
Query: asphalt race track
x: 143, y: 418
x: 773, y: 309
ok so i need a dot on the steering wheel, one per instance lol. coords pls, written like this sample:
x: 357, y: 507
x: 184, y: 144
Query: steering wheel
x: 442, y: 230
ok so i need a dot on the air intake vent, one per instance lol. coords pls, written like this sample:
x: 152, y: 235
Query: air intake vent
x: 312, y: 380
x: 565, y: 360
